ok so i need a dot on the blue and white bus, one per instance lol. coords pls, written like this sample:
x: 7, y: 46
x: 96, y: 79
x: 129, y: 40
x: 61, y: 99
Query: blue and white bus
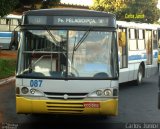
x: 8, y: 35
x: 138, y: 53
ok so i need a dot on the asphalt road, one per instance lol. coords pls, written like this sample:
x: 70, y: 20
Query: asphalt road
x: 137, y: 107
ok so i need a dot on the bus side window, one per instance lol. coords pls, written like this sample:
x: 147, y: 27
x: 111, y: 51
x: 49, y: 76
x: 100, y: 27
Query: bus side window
x: 122, y: 39
x: 123, y: 47
x: 155, y: 44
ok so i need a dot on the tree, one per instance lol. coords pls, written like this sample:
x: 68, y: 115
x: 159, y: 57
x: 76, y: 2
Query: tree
x: 49, y: 3
x: 142, y: 11
x: 42, y: 3
x: 113, y: 6
x: 130, y: 10
x: 7, y: 6
x: 26, y: 2
x: 30, y: 3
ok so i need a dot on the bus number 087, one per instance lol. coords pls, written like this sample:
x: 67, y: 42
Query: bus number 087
x: 35, y: 83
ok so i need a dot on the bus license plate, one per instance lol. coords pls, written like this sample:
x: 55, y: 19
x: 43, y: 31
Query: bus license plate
x: 91, y: 104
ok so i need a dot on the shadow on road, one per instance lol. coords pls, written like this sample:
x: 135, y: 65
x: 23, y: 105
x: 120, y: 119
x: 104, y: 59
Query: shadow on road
x: 68, y: 122
x: 131, y: 84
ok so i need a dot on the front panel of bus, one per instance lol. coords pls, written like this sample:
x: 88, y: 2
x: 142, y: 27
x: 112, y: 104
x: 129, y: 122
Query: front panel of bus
x: 67, y: 70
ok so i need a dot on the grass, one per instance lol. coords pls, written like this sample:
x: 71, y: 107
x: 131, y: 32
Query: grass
x: 7, y: 67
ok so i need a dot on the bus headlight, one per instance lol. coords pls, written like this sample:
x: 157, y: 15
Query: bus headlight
x: 32, y: 91
x: 24, y: 90
x: 107, y: 92
x: 102, y: 93
x: 99, y: 92
x: 36, y: 92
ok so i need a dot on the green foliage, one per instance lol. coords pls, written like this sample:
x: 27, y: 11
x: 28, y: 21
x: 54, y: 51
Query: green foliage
x: 147, y: 8
x: 6, y: 6
x: 7, y: 67
x: 49, y: 3
x: 30, y: 3
x: 25, y: 2
x: 108, y: 5
x: 130, y: 10
x: 37, y: 4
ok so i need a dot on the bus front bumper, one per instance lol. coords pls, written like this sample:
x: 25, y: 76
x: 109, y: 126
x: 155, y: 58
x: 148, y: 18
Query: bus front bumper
x: 29, y: 106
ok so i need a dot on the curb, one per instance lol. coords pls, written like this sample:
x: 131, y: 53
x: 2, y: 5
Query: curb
x: 6, y: 80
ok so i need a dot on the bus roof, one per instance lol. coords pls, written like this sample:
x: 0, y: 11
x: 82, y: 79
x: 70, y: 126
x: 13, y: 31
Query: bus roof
x: 66, y: 11
x: 137, y: 25
x: 69, y: 18
x: 12, y: 16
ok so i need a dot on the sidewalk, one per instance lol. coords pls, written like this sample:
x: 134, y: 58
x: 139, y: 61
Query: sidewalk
x: 6, y: 80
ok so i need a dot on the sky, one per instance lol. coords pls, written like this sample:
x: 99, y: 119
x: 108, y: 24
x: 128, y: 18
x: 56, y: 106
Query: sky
x: 78, y: 2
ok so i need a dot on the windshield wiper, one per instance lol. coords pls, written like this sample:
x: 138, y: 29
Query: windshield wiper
x: 75, y: 47
x: 73, y: 50
x: 52, y: 36
x: 82, y: 39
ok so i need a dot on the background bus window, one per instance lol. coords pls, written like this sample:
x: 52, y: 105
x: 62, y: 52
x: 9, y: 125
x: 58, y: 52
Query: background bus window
x: 148, y: 40
x: 155, y: 43
x: 123, y: 51
x: 141, y: 43
x: 132, y: 39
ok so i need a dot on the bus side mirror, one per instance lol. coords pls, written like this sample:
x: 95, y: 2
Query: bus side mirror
x: 122, y: 39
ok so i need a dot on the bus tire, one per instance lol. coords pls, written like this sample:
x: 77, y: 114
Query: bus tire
x: 139, y: 75
x: 13, y: 48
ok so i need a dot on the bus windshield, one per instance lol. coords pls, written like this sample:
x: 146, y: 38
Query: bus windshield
x: 68, y: 54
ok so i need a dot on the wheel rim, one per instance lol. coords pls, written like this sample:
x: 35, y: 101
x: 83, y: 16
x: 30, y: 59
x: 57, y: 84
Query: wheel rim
x: 139, y: 77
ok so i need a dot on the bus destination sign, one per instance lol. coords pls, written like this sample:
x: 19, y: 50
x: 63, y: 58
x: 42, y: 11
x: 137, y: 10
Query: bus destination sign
x: 71, y: 21
x: 37, y: 20
x: 80, y: 21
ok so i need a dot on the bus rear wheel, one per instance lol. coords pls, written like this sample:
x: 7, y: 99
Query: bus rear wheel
x: 139, y: 76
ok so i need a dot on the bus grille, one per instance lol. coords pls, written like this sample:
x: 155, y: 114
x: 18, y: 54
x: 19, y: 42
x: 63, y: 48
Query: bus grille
x: 66, y: 96
x: 64, y: 107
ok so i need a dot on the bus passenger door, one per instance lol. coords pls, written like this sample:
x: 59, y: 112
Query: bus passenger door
x: 123, y: 55
x: 148, y: 42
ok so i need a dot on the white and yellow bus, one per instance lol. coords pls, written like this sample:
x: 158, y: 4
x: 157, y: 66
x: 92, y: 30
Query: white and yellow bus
x: 67, y: 63
x: 138, y: 54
